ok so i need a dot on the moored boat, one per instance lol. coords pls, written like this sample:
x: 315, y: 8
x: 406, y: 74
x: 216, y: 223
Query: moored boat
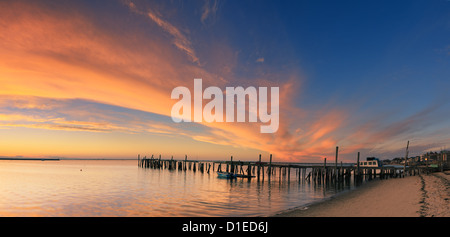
x: 371, y: 162
x: 226, y: 175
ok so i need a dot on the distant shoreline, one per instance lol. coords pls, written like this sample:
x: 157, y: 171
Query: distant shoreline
x: 37, y: 159
x: 57, y: 159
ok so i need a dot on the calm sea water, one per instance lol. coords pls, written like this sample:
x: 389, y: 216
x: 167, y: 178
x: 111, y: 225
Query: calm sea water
x: 121, y: 188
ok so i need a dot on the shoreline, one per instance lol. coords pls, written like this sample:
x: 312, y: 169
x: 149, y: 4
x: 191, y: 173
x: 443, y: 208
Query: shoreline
x: 413, y: 196
x: 32, y: 159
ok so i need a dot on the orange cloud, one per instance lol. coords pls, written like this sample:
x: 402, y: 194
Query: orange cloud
x: 66, y: 55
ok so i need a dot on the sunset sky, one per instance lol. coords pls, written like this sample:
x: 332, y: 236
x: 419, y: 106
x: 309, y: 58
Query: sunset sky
x: 93, y: 79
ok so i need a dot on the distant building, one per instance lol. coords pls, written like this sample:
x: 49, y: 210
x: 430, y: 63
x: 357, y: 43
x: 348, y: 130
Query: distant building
x: 417, y: 158
x: 386, y: 162
x: 437, y: 158
x: 397, y: 160
x: 430, y: 157
x: 446, y: 159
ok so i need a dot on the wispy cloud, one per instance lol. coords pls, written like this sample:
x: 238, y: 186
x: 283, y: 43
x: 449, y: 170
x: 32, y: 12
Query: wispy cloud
x: 56, y: 118
x: 83, y: 115
x: 180, y: 40
x: 209, y: 10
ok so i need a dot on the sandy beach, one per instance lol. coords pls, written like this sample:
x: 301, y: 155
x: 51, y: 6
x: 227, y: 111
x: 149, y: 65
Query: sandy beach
x: 414, y: 196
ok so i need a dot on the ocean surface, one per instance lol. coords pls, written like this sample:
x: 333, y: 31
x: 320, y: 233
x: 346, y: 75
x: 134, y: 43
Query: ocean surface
x: 121, y: 188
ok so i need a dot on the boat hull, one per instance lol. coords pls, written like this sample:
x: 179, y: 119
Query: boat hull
x: 226, y: 175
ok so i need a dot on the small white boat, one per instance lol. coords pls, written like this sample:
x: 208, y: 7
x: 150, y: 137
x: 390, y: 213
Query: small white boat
x: 371, y: 162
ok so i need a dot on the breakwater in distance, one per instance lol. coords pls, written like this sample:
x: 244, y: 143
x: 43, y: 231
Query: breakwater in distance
x: 23, y: 158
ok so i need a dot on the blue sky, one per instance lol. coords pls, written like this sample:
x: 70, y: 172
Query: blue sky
x: 362, y: 75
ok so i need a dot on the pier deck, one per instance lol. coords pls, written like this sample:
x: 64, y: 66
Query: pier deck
x: 314, y: 172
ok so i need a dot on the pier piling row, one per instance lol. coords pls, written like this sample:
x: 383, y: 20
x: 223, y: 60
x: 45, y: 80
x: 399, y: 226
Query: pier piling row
x: 309, y: 172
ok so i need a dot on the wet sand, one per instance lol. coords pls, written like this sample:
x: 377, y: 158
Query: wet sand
x: 413, y: 196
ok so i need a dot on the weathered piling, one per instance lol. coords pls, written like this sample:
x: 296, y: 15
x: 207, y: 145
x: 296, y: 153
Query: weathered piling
x: 232, y: 166
x: 259, y: 167
x: 406, y: 158
x: 357, y: 165
x: 270, y: 167
x: 289, y: 173
x: 335, y: 163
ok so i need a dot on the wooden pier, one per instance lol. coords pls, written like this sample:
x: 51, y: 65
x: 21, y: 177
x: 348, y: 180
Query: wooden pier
x: 310, y: 172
